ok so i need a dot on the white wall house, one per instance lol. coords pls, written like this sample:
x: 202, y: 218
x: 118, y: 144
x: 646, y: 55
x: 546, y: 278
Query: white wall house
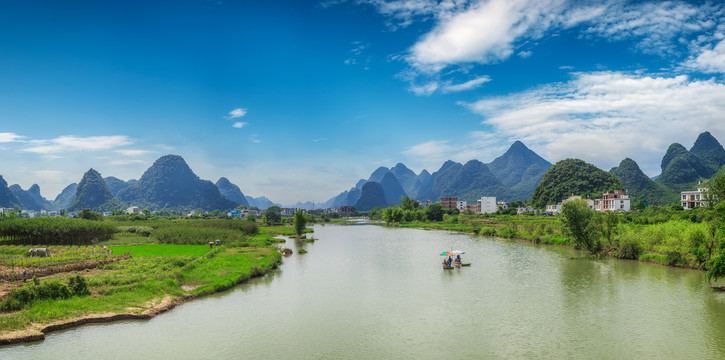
x: 553, y: 209
x: 487, y: 205
x: 461, y: 205
x: 693, y: 199
x: 133, y: 210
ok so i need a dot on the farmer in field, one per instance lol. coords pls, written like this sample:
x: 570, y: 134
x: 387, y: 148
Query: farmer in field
x: 25, y: 273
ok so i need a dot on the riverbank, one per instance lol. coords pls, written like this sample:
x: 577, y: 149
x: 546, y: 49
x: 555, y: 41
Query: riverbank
x: 150, y: 280
x: 676, y: 242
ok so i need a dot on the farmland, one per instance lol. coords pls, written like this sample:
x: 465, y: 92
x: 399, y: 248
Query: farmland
x: 139, y: 268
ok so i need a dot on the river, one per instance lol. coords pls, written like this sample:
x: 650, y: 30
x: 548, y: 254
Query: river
x: 371, y: 292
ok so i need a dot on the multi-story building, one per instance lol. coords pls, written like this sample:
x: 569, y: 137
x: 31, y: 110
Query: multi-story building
x: 502, y: 204
x: 346, y: 211
x: 613, y: 201
x: 553, y: 208
x: 693, y: 199
x: 487, y: 205
x: 474, y: 208
x: 461, y: 205
x: 448, y: 203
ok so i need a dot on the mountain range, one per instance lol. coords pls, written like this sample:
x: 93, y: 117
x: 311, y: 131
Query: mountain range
x: 515, y: 175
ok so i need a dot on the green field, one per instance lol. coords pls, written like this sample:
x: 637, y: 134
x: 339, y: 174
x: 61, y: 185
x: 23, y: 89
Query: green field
x: 153, y: 250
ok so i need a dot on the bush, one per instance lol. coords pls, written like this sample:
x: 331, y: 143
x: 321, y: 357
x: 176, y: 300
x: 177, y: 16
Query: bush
x: 249, y: 227
x: 673, y: 258
x: 628, y: 249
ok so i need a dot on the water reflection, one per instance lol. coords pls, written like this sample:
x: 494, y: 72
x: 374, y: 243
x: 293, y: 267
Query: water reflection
x: 371, y: 292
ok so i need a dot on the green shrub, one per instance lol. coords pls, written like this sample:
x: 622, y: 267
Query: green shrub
x: 628, y: 249
x: 673, y: 258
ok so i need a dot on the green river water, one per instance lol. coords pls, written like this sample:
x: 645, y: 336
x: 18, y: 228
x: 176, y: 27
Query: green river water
x: 371, y: 292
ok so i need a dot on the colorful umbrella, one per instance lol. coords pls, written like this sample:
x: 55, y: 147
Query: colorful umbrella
x: 452, y: 253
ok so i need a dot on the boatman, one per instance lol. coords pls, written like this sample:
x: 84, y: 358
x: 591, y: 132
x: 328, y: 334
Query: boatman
x: 450, y: 261
x: 458, y: 258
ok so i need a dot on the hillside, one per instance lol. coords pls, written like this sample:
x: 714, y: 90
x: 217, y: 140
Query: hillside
x: 709, y: 151
x: 640, y: 187
x: 7, y: 198
x: 66, y: 198
x: 681, y: 169
x: 372, y: 195
x: 231, y: 191
x: 392, y: 189
x: 573, y: 177
x: 93, y: 193
x: 170, y: 184
x: 31, y: 199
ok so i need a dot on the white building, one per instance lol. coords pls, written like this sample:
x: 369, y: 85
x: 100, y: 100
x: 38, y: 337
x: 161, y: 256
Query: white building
x: 133, y: 210
x: 461, y: 205
x: 524, y: 209
x: 502, y: 204
x: 693, y: 199
x: 613, y: 201
x: 487, y: 205
x: 553, y: 209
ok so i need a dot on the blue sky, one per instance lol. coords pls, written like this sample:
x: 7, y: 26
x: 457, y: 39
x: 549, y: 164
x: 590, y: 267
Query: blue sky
x: 297, y: 100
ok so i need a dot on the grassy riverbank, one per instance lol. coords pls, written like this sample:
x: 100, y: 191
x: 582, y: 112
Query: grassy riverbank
x: 151, y: 265
x: 674, y: 238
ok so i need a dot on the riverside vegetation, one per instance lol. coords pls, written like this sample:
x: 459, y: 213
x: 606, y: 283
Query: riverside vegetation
x: 665, y: 235
x: 121, y: 267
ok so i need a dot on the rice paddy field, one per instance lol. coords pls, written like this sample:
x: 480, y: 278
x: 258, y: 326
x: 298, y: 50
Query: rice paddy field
x: 142, y: 265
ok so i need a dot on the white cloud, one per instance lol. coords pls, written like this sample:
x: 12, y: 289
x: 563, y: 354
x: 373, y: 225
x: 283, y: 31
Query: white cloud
x: 483, y: 33
x: 48, y: 175
x: 236, y: 113
x: 566, y: 67
x: 425, y: 89
x: 239, y: 124
x: 468, y: 85
x: 438, y: 149
x: 126, y: 162
x: 9, y: 137
x: 657, y: 27
x: 489, y: 31
x: 605, y: 117
x: 255, y: 139
x: 130, y: 152
x: 710, y: 60
x: 75, y: 143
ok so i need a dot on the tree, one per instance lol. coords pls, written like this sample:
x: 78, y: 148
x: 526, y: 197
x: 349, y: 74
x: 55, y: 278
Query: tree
x: 89, y: 214
x: 609, y: 222
x: 392, y: 215
x: 408, y: 203
x: 434, y: 212
x: 374, y: 214
x: 146, y: 213
x: 579, y: 220
x: 716, y: 188
x: 274, y: 215
x: 300, y: 222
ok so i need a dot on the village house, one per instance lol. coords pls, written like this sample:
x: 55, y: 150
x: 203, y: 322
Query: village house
x: 461, y: 205
x: 693, y: 199
x: 425, y: 203
x: 613, y: 201
x: 474, y: 208
x: 524, y: 209
x: 133, y: 210
x: 448, y: 203
x: 487, y: 205
x: 502, y: 204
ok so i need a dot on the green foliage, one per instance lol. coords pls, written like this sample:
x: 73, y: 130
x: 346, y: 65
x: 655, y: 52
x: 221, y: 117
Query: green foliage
x: 640, y: 187
x: 375, y: 213
x: 152, y: 250
x: 93, y: 193
x: 681, y: 169
x: 573, y: 176
x: 717, y: 268
x: 408, y: 203
x: 136, y: 229
x: 579, y: 219
x: 88, y: 214
x: 609, y: 222
x: 628, y: 249
x: 434, y: 212
x: 392, y: 215
x: 716, y: 188
x: 54, y: 231
x: 170, y: 184
x: 300, y: 222
x: 249, y: 226
x: 274, y: 215
x: 35, y: 291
